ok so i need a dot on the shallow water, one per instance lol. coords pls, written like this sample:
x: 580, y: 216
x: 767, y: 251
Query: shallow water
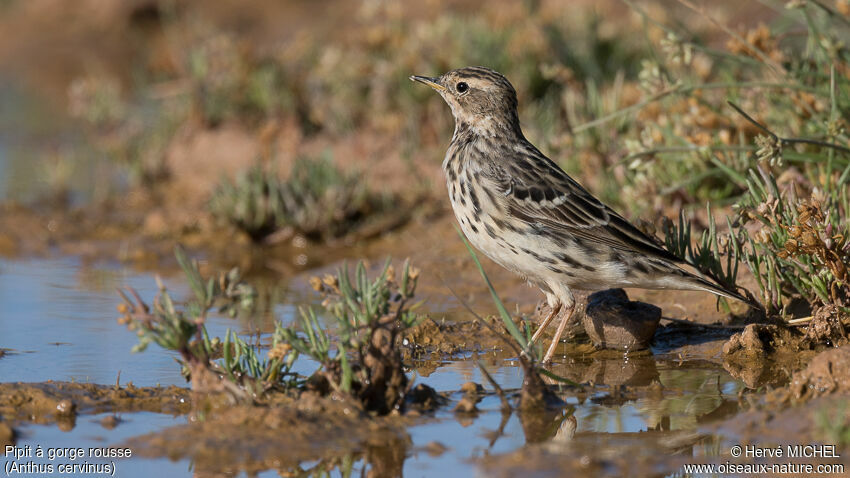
x: 58, y: 318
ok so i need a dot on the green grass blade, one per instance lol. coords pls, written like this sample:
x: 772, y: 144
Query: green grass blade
x: 503, y: 312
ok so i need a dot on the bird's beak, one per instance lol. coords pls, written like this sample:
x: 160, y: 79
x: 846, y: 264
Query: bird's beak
x: 432, y: 82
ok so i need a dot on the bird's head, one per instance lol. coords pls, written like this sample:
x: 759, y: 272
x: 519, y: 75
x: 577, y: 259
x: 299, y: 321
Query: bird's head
x: 480, y: 98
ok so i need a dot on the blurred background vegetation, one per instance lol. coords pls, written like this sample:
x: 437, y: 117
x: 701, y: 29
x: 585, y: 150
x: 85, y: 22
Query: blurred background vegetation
x: 199, y: 116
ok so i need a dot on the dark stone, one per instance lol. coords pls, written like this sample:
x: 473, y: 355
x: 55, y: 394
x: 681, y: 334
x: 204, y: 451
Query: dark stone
x: 612, y: 321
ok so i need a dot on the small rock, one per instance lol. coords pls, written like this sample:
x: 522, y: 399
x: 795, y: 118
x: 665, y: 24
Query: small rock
x: 471, y: 388
x: 612, y: 321
x: 66, y: 407
x: 747, y: 341
x: 435, y: 449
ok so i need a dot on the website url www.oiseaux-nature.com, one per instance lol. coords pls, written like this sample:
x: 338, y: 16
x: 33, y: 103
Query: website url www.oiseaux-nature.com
x: 791, y: 469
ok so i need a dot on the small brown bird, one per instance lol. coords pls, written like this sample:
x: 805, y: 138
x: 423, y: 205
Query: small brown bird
x: 525, y: 213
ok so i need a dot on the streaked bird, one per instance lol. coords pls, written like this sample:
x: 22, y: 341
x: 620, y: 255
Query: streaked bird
x: 525, y: 213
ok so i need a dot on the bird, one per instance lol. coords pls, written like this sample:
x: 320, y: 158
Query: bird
x: 525, y: 213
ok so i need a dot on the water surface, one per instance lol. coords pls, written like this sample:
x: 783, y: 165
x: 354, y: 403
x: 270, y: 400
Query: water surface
x: 58, y: 318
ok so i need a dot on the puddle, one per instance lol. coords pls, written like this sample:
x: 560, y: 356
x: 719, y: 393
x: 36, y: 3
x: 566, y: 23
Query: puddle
x: 58, y: 317
x: 89, y: 431
x: 58, y: 322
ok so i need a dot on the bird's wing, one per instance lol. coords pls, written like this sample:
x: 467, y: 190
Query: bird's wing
x: 542, y: 195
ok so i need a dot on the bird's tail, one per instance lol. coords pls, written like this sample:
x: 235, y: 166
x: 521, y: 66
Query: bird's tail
x: 712, y: 285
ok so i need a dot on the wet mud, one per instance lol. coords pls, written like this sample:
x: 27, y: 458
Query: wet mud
x: 828, y: 373
x: 52, y: 402
x: 283, y: 437
x: 444, y: 339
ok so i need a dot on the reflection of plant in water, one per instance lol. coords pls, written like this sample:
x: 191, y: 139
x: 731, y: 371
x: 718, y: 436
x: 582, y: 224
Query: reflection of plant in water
x: 379, y: 459
x: 834, y: 424
x: 317, y: 200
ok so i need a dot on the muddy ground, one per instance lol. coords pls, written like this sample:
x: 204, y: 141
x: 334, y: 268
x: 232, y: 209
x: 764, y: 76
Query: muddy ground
x: 783, y: 403
x: 783, y: 399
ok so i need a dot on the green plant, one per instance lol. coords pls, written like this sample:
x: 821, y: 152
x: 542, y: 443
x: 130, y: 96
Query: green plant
x: 323, y: 201
x: 238, y: 369
x: 368, y: 316
x: 715, y: 255
x: 253, y: 202
x: 682, y: 141
x: 133, y: 133
x: 801, y: 245
x: 361, y: 358
x: 317, y: 200
x: 534, y: 394
x: 793, y: 224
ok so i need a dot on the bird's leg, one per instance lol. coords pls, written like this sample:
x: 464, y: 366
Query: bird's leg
x: 555, y: 309
x: 557, y: 338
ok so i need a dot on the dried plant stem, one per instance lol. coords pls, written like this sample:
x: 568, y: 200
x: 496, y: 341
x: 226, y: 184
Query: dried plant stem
x: 682, y: 89
x: 706, y: 326
x: 788, y: 141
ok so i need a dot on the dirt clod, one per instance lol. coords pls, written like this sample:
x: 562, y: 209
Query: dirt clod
x: 826, y: 328
x: 66, y: 407
x: 435, y: 448
x: 471, y: 388
x: 763, y: 354
x: 757, y: 340
x: 452, y: 337
x: 109, y: 422
x: 423, y: 398
x: 467, y: 404
x: 281, y: 437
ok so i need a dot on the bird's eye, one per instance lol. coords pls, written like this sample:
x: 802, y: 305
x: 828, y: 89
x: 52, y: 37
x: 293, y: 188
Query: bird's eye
x: 462, y: 87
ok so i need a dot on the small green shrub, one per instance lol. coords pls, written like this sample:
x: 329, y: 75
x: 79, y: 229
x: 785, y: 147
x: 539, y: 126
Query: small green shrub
x: 800, y: 246
x: 317, y: 200
x: 181, y: 328
x: 359, y: 357
x: 134, y: 134
x: 367, y: 317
